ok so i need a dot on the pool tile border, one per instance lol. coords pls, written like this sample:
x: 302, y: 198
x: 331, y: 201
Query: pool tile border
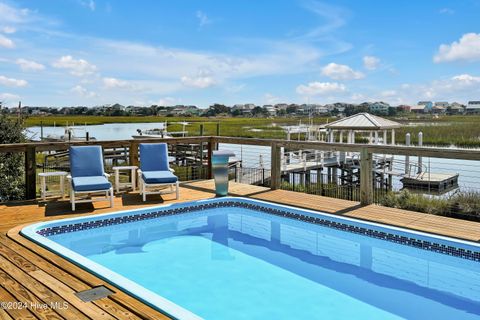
x: 391, y: 237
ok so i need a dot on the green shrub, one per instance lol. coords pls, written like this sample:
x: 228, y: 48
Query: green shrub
x: 12, y: 186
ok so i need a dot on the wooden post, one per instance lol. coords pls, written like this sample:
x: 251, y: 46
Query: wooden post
x: 30, y: 173
x: 133, y: 153
x: 209, y: 174
x: 276, y: 167
x: 211, y: 144
x: 218, y: 134
x: 366, y: 177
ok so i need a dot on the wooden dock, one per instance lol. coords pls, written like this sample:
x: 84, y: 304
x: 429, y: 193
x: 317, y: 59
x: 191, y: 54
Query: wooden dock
x: 438, y: 182
x: 38, y: 277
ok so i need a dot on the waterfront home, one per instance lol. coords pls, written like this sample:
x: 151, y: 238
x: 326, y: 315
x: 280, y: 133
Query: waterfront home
x: 456, y: 108
x: 404, y: 108
x: 427, y: 104
x: 444, y: 104
x: 473, y: 107
x: 419, y: 108
x: 270, y: 109
x: 379, y: 107
x: 437, y: 109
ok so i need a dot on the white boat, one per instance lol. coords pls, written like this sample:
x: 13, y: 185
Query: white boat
x: 70, y: 134
x: 161, y: 132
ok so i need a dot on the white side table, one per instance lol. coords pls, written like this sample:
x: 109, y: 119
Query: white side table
x: 43, y: 177
x: 132, y: 183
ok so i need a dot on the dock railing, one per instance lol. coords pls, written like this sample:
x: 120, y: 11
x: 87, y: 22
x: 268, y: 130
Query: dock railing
x: 193, y: 160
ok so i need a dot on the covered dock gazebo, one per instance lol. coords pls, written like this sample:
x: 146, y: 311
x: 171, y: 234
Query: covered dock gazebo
x: 362, y: 123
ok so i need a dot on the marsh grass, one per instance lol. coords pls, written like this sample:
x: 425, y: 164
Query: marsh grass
x: 445, y: 131
x: 465, y: 204
x: 234, y: 127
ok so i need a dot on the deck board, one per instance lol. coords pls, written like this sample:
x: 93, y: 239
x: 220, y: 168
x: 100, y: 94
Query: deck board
x: 31, y: 273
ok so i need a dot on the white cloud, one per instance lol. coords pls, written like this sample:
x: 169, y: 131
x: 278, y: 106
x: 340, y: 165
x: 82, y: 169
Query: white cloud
x: 11, y: 14
x: 90, y: 4
x: 388, y: 93
x: 446, y: 11
x: 5, y: 97
x: 203, y: 19
x: 461, y: 87
x: 320, y: 88
x: 333, y: 17
x: 111, y: 83
x: 77, y: 68
x: 466, y: 49
x: 466, y: 79
x: 81, y: 91
x: 10, y: 82
x: 371, y: 62
x: 29, y: 65
x: 270, y: 98
x: 200, y: 81
x: 166, y: 101
x: 340, y: 72
x: 357, y: 98
x: 8, y: 30
x: 6, y: 42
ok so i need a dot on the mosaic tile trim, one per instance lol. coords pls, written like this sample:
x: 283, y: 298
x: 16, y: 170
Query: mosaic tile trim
x: 412, y: 242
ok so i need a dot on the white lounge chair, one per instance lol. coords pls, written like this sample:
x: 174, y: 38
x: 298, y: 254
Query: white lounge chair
x: 155, y: 174
x: 87, y: 174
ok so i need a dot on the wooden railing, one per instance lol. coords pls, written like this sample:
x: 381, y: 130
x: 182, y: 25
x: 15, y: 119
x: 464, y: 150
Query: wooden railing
x: 366, y: 151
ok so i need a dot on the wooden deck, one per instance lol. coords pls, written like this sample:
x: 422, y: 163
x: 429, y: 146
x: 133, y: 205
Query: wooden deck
x: 31, y: 274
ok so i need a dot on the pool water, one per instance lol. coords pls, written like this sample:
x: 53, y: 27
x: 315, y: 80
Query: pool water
x: 238, y: 263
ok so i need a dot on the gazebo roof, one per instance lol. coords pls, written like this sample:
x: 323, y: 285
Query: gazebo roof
x: 362, y: 121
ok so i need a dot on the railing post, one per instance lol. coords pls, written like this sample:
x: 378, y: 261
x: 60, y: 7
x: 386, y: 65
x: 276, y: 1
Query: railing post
x: 30, y: 173
x: 276, y: 167
x: 366, y: 177
x: 211, y: 144
x: 133, y: 153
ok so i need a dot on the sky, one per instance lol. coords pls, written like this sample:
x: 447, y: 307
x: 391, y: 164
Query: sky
x: 95, y: 52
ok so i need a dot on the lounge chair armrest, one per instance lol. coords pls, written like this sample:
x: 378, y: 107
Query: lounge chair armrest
x: 69, y: 177
x: 171, y: 170
x: 107, y: 175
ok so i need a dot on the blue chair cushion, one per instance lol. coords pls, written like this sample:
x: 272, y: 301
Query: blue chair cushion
x: 86, y: 161
x: 153, y: 157
x: 153, y: 177
x: 90, y: 183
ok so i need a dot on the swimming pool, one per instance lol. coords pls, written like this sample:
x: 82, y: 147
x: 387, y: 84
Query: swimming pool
x: 235, y: 258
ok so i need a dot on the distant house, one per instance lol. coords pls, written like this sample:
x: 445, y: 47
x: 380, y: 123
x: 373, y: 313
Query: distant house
x: 244, y: 109
x: 404, y: 108
x: 442, y: 104
x: 456, y: 108
x: 439, y: 109
x: 427, y: 104
x: 118, y: 107
x: 181, y: 110
x: 281, y: 106
x: 270, y: 109
x: 320, y: 110
x: 420, y: 108
x: 379, y: 107
x: 473, y: 107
